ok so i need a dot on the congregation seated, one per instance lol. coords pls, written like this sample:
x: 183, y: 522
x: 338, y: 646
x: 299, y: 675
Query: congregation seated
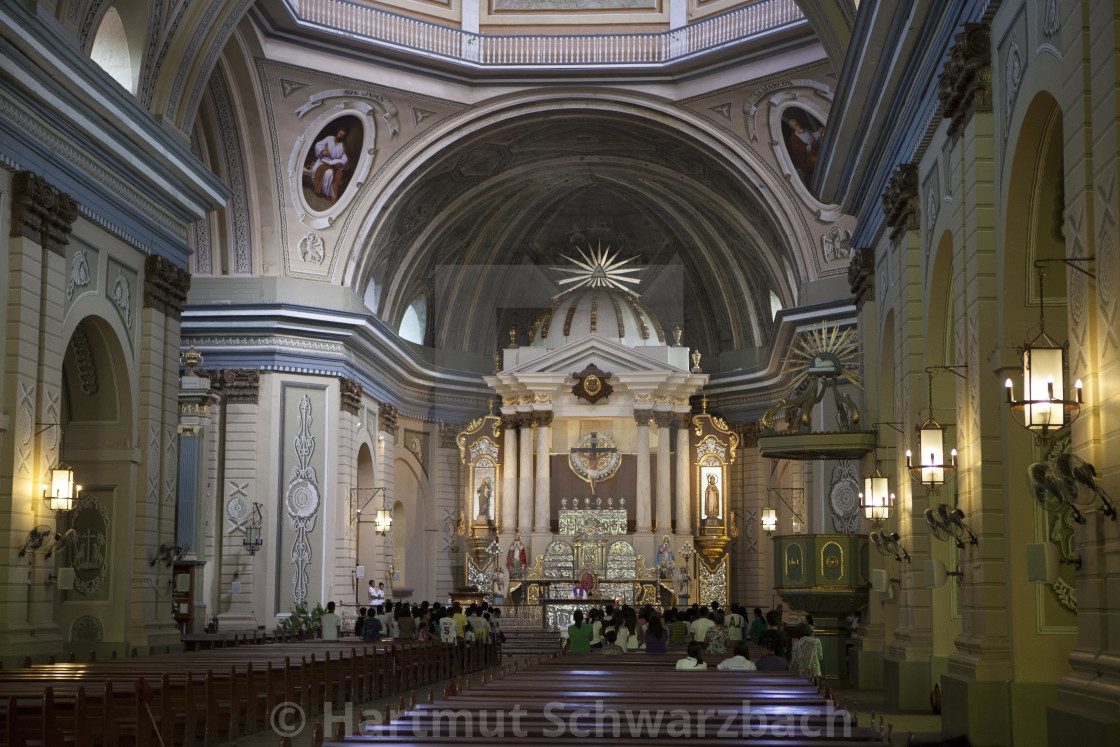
x: 769, y: 661
x: 740, y: 661
x: 611, y: 647
x: 693, y: 660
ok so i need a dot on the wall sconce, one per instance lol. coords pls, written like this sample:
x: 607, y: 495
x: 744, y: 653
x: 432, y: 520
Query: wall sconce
x: 932, y: 470
x: 1045, y: 367
x: 769, y: 520
x: 253, y: 540
x: 63, y: 493
x: 948, y: 523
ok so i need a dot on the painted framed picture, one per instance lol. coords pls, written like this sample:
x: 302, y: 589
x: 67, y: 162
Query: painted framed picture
x: 331, y: 160
x: 802, y: 133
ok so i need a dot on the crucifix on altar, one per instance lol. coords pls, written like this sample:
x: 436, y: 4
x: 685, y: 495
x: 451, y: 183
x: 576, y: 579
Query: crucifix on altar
x: 596, y: 457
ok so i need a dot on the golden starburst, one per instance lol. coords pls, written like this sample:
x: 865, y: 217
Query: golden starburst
x: 598, y: 268
x: 827, y: 352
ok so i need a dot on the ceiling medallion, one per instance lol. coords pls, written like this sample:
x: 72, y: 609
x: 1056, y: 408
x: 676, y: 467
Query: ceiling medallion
x: 592, y: 384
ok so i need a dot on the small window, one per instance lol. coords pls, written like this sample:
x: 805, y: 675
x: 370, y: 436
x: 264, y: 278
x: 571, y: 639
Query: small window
x: 775, y: 305
x: 110, y: 49
x: 415, y: 321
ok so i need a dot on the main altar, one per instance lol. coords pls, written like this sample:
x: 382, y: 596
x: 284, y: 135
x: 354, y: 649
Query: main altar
x: 599, y: 472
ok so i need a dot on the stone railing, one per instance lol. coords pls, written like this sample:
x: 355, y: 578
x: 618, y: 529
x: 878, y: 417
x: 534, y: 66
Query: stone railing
x: 598, y: 50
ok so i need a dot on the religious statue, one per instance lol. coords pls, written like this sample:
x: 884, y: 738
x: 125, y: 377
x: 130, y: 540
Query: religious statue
x: 499, y: 580
x: 711, y: 499
x: 682, y: 578
x: 517, y: 557
x: 484, y: 492
x: 664, y: 557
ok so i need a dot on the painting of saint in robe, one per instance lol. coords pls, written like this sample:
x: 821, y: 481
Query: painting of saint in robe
x: 802, y: 133
x: 330, y: 162
x: 711, y: 482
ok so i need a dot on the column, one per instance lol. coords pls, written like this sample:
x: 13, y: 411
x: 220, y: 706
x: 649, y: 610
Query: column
x: 30, y: 392
x: 642, y: 504
x: 509, y: 475
x: 241, y: 484
x: 387, y: 440
x: 194, y: 413
x: 525, y: 475
x: 684, y: 495
x: 664, y: 505
x: 542, y: 497
x: 153, y: 521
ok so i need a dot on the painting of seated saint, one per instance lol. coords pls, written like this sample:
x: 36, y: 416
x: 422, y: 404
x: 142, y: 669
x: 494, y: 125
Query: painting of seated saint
x: 330, y: 162
x: 802, y: 133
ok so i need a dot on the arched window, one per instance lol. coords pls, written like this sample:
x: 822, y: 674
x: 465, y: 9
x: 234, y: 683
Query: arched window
x: 415, y: 321
x: 115, y: 49
x: 775, y: 305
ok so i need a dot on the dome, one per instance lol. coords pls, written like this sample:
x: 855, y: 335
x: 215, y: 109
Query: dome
x: 616, y: 315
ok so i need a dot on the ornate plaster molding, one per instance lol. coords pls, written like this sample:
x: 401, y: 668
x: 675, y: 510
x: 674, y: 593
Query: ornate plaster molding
x: 351, y: 395
x: 965, y: 83
x: 165, y: 286
x: 41, y: 212
x: 901, y: 205
x: 861, y: 275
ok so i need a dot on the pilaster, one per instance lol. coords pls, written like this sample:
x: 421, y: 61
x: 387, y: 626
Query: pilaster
x: 664, y: 480
x: 643, y: 498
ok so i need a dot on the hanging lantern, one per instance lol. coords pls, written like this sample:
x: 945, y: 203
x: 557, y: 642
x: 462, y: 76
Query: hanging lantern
x: 384, y: 521
x: 63, y: 492
x: 252, y: 541
x: 932, y: 468
x: 1045, y: 364
x: 876, y: 500
x: 769, y: 519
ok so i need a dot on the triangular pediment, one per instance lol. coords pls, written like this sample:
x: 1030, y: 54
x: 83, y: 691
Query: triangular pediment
x: 607, y: 355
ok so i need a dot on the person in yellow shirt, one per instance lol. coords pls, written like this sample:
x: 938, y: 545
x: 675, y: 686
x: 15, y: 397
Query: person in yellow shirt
x: 460, y: 620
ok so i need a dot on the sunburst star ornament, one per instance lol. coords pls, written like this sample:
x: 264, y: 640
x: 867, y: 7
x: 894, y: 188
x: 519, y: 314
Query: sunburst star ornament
x: 828, y: 352
x: 598, y: 268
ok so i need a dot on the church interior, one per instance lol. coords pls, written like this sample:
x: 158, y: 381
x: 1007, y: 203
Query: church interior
x: 797, y: 305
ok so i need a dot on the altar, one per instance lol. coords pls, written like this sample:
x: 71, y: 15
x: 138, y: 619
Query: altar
x: 557, y: 613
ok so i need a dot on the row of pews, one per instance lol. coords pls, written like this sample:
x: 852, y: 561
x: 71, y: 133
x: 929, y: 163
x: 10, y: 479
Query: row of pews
x: 214, y: 696
x: 631, y: 700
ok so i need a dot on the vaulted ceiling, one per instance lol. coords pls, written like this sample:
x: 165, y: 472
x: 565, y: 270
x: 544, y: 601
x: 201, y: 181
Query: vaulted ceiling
x: 479, y: 230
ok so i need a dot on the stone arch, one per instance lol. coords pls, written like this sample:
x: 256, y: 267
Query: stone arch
x: 97, y: 411
x: 409, y: 500
x: 1036, y: 180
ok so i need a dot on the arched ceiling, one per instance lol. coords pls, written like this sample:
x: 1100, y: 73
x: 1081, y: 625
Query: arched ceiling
x: 482, y: 229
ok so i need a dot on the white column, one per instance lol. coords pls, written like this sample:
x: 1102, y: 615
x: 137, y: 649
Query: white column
x: 542, y: 497
x: 509, y: 475
x: 684, y: 495
x: 664, y: 507
x: 525, y: 477
x: 641, y: 514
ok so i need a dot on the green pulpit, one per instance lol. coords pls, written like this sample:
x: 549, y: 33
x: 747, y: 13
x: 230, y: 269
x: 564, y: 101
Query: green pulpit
x: 825, y: 575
